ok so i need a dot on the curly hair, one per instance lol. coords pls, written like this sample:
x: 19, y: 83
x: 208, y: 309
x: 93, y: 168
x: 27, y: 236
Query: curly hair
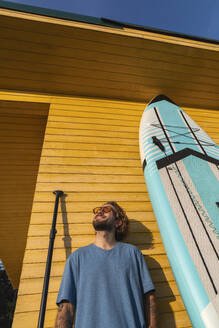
x: 122, y: 230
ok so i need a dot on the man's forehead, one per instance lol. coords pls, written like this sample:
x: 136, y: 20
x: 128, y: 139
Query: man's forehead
x: 109, y: 205
x: 106, y: 205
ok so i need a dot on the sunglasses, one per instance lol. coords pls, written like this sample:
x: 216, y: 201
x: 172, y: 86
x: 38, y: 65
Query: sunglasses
x: 105, y: 209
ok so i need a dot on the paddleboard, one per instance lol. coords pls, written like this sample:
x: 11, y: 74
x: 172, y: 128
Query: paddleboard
x: 181, y: 169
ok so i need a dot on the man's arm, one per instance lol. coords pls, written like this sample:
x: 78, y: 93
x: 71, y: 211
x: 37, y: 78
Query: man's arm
x: 65, y: 315
x: 150, y: 307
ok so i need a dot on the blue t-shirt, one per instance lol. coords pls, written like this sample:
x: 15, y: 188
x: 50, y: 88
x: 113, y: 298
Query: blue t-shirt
x: 106, y: 286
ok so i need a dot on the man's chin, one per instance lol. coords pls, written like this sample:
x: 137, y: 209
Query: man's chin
x: 102, y: 226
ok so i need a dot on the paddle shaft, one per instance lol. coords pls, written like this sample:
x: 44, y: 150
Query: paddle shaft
x: 53, y: 231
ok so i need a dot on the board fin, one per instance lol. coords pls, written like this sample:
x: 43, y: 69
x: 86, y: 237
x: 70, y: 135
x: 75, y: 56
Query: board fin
x: 160, y: 98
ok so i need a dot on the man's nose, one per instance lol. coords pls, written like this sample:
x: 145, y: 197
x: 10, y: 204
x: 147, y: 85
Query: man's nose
x: 101, y: 211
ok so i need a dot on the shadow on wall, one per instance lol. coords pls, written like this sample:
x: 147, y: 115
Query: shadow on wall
x: 142, y: 238
x: 67, y: 238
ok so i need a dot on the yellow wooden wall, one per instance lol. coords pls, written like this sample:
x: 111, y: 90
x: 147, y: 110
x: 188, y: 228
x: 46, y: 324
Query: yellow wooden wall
x: 22, y: 127
x: 91, y: 152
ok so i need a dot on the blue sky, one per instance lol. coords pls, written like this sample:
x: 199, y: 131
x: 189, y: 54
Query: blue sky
x: 192, y: 17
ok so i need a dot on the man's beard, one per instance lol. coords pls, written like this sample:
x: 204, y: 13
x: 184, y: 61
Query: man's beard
x: 103, y: 225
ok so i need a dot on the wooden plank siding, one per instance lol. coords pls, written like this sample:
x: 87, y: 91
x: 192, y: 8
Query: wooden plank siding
x: 22, y: 126
x: 91, y: 152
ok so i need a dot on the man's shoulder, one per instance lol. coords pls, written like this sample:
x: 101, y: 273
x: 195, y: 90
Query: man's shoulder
x: 79, y: 251
x: 131, y: 248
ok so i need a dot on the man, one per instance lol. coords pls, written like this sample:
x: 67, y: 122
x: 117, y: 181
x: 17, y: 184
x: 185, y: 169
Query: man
x: 106, y: 284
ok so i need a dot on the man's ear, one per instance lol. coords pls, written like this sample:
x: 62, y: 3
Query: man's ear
x: 119, y: 223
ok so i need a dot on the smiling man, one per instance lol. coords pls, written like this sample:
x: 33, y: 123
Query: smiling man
x: 106, y: 284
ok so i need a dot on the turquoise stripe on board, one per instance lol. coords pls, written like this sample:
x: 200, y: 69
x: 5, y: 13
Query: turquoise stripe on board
x: 206, y: 185
x: 187, y: 278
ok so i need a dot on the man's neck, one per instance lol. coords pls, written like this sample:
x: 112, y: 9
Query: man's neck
x: 105, y: 240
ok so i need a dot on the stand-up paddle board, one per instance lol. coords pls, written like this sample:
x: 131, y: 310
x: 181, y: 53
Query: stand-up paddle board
x: 181, y: 170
